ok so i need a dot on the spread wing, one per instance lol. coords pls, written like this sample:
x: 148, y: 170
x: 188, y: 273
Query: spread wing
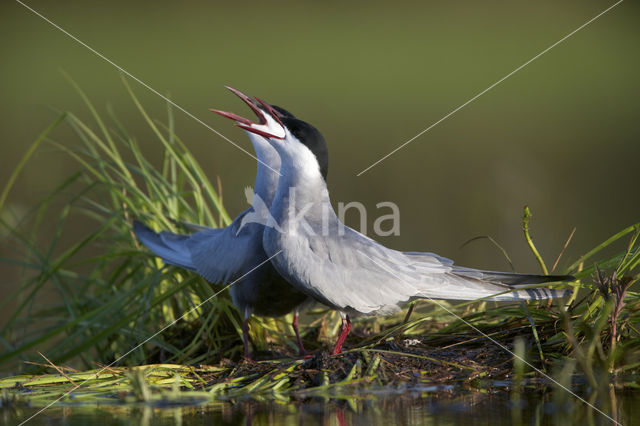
x: 227, y: 255
x: 218, y: 254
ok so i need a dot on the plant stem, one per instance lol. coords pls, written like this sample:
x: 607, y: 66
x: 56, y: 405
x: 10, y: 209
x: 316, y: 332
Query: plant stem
x: 525, y: 228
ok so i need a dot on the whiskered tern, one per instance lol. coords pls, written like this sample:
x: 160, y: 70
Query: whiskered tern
x: 344, y: 269
x: 224, y: 255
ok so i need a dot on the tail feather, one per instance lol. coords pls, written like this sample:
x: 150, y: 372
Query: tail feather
x: 531, y: 294
x: 512, y: 281
x: 170, y: 247
x: 509, y: 278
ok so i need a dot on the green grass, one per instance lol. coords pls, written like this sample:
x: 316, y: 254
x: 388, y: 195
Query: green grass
x: 114, y: 293
x: 111, y: 295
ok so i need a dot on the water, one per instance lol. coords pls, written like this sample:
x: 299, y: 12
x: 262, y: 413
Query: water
x: 430, y: 405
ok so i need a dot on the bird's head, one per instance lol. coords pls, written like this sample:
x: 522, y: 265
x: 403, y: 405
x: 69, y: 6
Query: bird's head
x: 269, y: 124
x: 284, y: 132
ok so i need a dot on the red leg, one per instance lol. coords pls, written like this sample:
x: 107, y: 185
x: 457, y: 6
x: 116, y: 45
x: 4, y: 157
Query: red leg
x: 245, y: 337
x: 340, y: 417
x: 344, y: 330
x: 294, y: 324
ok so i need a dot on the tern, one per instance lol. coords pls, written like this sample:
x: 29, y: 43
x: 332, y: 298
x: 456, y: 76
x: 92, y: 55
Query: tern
x: 235, y: 253
x: 345, y: 270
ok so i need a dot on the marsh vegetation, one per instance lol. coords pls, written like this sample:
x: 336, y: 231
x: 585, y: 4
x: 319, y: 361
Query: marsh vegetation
x: 86, y: 315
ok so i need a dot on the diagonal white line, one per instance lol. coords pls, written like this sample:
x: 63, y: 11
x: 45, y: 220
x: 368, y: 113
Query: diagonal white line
x: 149, y: 338
x: 124, y: 71
x: 501, y: 346
x: 374, y: 164
x: 490, y: 87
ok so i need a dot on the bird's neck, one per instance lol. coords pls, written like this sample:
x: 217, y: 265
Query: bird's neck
x: 302, y: 193
x: 267, y: 172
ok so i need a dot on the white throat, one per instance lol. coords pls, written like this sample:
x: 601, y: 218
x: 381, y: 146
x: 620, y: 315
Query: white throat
x: 301, y: 187
x: 268, y: 167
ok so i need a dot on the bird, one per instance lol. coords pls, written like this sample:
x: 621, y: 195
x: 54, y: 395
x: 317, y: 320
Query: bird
x: 235, y: 253
x: 347, y: 271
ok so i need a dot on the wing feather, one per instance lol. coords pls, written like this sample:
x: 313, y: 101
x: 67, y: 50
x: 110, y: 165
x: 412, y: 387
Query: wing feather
x: 351, y: 272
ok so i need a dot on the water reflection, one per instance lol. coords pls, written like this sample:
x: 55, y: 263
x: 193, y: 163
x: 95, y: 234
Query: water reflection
x: 416, y: 407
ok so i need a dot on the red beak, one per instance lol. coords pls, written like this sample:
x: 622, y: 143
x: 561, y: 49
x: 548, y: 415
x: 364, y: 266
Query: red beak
x: 262, y: 126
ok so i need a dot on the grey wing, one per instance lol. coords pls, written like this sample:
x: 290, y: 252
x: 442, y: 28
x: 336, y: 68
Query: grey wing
x: 221, y: 257
x: 170, y: 247
x: 419, y: 256
x: 355, y: 273
x: 192, y: 227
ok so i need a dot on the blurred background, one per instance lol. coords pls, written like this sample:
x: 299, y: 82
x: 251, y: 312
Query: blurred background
x: 561, y: 135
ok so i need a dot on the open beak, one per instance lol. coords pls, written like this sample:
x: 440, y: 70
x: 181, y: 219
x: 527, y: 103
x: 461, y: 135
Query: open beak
x: 268, y: 125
